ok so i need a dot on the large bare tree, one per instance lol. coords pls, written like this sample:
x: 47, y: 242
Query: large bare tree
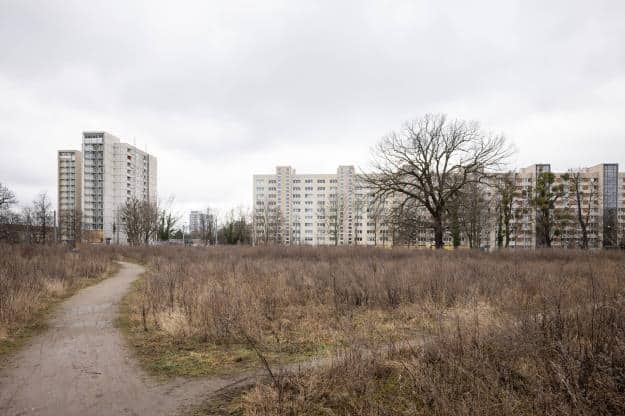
x: 431, y: 159
x: 139, y: 219
x: 405, y: 222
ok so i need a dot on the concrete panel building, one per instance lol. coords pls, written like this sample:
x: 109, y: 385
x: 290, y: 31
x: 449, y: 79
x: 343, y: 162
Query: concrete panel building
x: 69, y: 194
x: 95, y: 183
x: 339, y: 209
x: 602, y: 199
x: 113, y: 173
x: 194, y: 222
x: 315, y: 209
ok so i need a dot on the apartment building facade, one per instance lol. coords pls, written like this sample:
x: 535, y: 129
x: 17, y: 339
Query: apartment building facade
x: 113, y: 172
x: 69, y: 194
x: 339, y: 209
x: 194, y: 222
x: 316, y: 209
x: 200, y: 222
x: 601, y: 198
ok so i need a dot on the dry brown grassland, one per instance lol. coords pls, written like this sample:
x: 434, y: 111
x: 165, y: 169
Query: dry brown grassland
x: 503, y: 333
x: 34, y: 278
x: 409, y: 332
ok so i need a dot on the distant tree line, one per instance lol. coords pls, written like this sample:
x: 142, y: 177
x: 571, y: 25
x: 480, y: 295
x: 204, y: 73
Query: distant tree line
x: 455, y: 173
x: 443, y: 175
x: 33, y: 224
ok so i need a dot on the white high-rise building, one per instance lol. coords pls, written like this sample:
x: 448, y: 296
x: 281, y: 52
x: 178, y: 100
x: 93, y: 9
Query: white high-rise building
x: 316, y: 209
x: 69, y: 194
x: 339, y: 209
x: 195, y: 218
x: 113, y: 172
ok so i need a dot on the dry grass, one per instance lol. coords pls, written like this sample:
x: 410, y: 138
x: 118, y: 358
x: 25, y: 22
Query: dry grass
x: 555, y: 347
x: 33, y: 278
x: 509, y: 333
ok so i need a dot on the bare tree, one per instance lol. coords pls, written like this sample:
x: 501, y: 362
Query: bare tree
x: 236, y: 228
x: 261, y: 224
x: 42, y: 209
x: 453, y: 207
x: 276, y: 225
x: 7, y: 197
x: 131, y: 221
x: 376, y: 214
x: 139, y: 220
x: 269, y: 226
x: 407, y: 223
x: 29, y: 223
x: 476, y: 215
x: 335, y: 217
x: 10, y: 226
x: 431, y: 159
x: 166, y: 223
x: 583, y: 206
x: 207, y: 227
x: 359, y: 209
x: 548, y: 220
x: 70, y: 226
x: 8, y: 219
x: 505, y: 192
x: 149, y: 229
x: 167, y: 220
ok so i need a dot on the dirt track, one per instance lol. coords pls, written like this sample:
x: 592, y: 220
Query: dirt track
x: 80, y: 366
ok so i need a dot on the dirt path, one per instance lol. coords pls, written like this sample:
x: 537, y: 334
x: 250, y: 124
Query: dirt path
x: 81, y: 366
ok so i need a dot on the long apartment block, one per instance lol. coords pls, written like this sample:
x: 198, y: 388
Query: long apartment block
x: 111, y: 173
x: 339, y: 209
x: 315, y: 209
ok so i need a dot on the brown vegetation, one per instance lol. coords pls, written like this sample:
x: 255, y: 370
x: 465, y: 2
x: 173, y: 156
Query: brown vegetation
x: 506, y: 333
x: 520, y: 332
x: 32, y: 277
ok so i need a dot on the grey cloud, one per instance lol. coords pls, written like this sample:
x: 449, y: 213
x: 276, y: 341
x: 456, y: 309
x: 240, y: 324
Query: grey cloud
x: 232, y: 87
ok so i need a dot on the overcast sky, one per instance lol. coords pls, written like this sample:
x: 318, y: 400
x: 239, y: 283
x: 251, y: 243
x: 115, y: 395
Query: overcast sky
x: 220, y: 90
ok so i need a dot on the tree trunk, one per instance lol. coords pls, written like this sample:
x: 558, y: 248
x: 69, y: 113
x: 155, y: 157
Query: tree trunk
x: 499, y: 230
x: 438, y: 232
x: 507, y: 233
x: 582, y: 223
